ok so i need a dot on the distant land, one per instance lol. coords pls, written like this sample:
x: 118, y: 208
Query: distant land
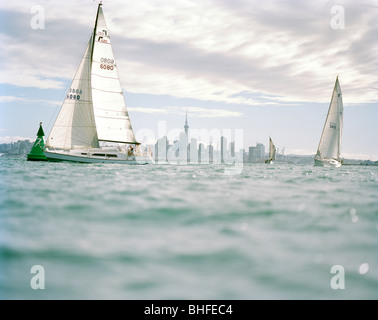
x: 19, y: 148
x: 22, y: 147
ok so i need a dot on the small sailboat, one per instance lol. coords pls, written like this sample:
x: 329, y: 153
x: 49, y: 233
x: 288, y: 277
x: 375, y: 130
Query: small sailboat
x: 36, y: 152
x: 93, y: 124
x: 328, y: 153
x: 272, y: 152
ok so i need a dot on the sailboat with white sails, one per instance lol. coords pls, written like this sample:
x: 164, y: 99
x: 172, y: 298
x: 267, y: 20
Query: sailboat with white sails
x: 93, y: 124
x: 272, y: 152
x: 329, y: 149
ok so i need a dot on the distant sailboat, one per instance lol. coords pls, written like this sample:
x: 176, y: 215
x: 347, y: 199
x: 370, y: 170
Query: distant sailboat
x: 272, y: 152
x: 328, y: 153
x: 94, y: 111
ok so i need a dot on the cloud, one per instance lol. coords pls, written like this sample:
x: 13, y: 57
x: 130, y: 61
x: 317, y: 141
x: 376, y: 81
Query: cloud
x: 9, y: 139
x: 207, y: 50
x: 193, y: 112
x: 9, y: 99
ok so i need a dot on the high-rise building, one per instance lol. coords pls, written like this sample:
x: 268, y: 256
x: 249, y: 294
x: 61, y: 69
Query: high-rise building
x: 161, y: 148
x: 193, y: 152
x: 232, y: 146
x: 203, y: 157
x: 256, y: 154
x: 260, y: 151
x: 252, y: 154
x: 223, y: 148
x: 186, y: 126
x: 211, y: 153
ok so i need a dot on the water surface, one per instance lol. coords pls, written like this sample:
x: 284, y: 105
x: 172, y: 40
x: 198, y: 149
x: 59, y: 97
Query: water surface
x: 109, y: 231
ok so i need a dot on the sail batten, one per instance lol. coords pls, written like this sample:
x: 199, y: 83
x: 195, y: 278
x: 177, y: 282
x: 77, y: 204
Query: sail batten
x: 106, y: 78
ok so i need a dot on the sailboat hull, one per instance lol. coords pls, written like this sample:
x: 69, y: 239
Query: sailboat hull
x: 327, y: 162
x: 98, y: 156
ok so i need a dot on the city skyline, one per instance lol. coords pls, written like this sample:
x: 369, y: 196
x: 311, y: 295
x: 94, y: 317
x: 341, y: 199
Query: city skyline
x: 264, y: 69
x: 185, y: 148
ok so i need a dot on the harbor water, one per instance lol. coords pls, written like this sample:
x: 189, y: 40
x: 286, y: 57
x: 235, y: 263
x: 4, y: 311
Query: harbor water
x: 165, y: 231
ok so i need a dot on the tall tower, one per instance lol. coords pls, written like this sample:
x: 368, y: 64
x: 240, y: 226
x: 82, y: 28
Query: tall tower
x: 186, y: 127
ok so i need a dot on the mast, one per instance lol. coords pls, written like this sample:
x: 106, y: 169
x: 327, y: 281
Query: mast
x: 340, y: 111
x: 94, y: 32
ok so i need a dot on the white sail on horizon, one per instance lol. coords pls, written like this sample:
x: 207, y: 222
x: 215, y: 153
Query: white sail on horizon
x: 330, y: 141
x: 272, y: 150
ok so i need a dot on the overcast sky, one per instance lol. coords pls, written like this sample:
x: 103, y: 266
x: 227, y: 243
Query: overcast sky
x: 263, y: 67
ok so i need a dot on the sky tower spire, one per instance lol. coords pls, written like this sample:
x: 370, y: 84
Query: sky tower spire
x: 186, y: 127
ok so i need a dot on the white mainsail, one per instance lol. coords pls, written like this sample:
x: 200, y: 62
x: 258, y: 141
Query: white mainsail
x: 75, y: 125
x: 94, y: 108
x: 112, y: 119
x: 330, y: 141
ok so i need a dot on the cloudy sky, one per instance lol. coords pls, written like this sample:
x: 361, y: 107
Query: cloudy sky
x: 263, y: 67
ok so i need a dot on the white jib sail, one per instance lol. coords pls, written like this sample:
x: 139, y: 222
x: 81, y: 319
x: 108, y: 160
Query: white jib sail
x: 329, y: 146
x: 75, y: 125
x: 112, y: 119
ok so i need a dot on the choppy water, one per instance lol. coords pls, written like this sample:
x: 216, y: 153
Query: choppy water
x: 104, y: 231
